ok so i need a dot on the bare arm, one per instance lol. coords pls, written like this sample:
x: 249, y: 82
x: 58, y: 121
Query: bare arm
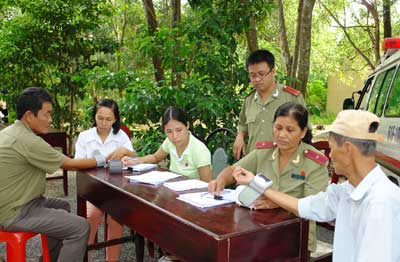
x: 285, y: 201
x: 205, y: 173
x: 76, y: 164
x: 223, y: 179
x: 152, y: 158
x: 119, y: 153
x: 239, y: 147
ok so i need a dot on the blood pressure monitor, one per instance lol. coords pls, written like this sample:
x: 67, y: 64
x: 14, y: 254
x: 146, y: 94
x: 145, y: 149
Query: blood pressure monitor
x: 258, y: 185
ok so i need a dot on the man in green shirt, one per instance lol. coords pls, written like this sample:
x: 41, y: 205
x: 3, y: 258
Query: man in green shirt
x: 256, y: 115
x: 25, y: 158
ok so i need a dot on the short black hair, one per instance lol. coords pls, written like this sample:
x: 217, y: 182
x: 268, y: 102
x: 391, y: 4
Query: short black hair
x: 32, y: 99
x: 114, y: 107
x: 259, y: 56
x: 365, y: 146
x: 174, y: 113
x: 299, y: 113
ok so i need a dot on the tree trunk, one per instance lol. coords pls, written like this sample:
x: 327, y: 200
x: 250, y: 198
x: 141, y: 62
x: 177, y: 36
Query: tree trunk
x: 376, y: 38
x: 176, y: 77
x: 283, y: 38
x: 119, y: 36
x: 387, y: 20
x: 305, y: 45
x: 152, y: 25
x: 119, y: 33
x: 251, y: 35
x: 251, y: 32
x: 176, y: 12
x: 295, y: 59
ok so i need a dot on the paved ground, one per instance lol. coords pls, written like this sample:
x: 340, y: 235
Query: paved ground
x: 54, y: 189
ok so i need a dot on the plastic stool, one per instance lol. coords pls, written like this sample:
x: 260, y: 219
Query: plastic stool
x: 16, y: 245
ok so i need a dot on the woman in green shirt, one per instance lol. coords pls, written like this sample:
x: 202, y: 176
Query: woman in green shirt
x: 188, y: 155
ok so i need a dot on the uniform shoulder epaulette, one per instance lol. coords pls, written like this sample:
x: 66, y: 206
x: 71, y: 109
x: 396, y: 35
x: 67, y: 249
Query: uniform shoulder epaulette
x: 291, y: 90
x: 265, y: 144
x: 316, y: 156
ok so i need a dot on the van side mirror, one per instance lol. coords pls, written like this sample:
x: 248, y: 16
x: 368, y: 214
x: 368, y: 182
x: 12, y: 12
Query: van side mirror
x: 348, y: 103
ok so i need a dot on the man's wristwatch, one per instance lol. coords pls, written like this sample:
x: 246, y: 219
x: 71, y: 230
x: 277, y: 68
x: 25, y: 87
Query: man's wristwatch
x: 100, y: 159
x: 260, y: 183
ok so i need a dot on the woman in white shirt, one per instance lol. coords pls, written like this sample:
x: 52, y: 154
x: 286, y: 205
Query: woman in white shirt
x: 107, y: 138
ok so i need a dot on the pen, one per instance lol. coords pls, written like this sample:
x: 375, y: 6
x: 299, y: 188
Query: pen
x: 208, y: 195
x: 217, y: 197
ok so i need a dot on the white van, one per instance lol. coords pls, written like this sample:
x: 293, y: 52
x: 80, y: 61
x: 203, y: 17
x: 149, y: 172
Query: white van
x: 381, y: 95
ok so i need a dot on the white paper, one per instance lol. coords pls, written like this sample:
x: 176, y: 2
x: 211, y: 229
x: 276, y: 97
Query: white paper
x: 140, y: 167
x: 205, y: 200
x: 186, y: 184
x: 153, y: 177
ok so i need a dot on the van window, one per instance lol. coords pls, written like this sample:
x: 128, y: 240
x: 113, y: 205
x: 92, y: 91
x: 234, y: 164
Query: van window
x: 379, y: 91
x: 363, y: 99
x: 393, y: 103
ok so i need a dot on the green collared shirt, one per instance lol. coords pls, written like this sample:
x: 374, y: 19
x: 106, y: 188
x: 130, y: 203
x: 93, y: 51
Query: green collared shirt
x: 25, y: 158
x: 301, y: 177
x: 256, y: 118
x: 195, y: 155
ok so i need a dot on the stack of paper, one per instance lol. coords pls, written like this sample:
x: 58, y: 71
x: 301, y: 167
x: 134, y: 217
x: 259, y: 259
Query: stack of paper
x: 205, y: 199
x: 186, y: 184
x: 153, y: 177
x: 141, y: 167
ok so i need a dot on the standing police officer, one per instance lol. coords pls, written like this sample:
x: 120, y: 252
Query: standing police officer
x: 256, y: 115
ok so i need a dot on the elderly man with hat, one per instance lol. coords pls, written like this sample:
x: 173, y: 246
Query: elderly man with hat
x: 366, y: 207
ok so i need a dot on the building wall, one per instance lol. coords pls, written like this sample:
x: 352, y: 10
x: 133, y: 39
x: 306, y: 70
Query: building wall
x: 340, y: 87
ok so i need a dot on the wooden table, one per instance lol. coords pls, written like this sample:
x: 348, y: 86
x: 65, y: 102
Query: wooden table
x: 56, y: 138
x: 225, y: 233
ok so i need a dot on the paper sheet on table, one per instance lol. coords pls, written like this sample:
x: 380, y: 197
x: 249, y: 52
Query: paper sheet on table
x: 140, y: 167
x: 205, y: 200
x: 153, y: 177
x: 186, y: 184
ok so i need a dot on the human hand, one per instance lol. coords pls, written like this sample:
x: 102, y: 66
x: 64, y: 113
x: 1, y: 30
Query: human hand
x: 117, y: 154
x: 128, y: 161
x: 239, y: 147
x: 215, y: 186
x: 263, y: 203
x: 242, y: 176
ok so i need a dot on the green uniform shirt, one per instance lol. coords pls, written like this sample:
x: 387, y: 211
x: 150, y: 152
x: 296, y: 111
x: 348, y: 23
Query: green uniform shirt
x: 196, y: 155
x: 301, y: 177
x: 257, y: 118
x: 25, y: 158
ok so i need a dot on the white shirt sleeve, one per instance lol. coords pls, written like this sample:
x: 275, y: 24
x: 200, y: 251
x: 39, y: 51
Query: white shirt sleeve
x: 125, y: 141
x: 80, y: 147
x: 321, y: 207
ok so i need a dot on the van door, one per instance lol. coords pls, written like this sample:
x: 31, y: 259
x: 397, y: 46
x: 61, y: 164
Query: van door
x: 385, y: 103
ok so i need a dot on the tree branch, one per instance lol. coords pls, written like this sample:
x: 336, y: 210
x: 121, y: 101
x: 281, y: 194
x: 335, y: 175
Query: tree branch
x: 347, y: 35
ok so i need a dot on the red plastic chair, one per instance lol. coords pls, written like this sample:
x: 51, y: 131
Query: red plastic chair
x: 16, y: 245
x: 126, y: 130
